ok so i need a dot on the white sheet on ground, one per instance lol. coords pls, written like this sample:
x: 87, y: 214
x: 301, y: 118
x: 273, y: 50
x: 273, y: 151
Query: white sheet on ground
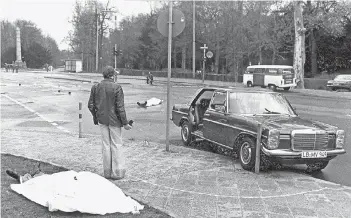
x: 88, y: 193
x: 153, y: 102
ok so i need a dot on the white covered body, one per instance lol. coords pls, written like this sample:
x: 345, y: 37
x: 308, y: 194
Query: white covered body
x: 71, y: 191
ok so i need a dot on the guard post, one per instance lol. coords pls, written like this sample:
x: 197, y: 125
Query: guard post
x: 258, y: 148
x: 80, y: 119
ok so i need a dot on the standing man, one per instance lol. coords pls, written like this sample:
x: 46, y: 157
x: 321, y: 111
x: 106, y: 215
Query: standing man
x: 151, y: 78
x: 106, y: 104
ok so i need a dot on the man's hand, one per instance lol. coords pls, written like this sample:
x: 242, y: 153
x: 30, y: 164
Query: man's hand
x: 127, y: 127
x: 96, y: 122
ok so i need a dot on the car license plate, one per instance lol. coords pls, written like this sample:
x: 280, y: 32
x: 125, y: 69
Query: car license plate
x: 288, y: 81
x: 314, y: 154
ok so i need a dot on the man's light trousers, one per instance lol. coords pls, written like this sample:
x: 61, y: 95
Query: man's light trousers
x: 113, y: 159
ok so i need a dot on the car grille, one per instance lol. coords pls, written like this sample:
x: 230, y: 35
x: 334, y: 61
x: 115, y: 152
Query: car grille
x: 310, y: 140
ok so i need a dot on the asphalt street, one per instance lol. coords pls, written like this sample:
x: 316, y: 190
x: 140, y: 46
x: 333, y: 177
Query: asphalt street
x: 50, y: 99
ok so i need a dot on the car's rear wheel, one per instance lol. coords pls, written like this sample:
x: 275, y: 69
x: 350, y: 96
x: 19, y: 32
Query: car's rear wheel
x: 247, y: 152
x: 272, y: 87
x: 249, y: 84
x: 318, y: 166
x: 186, y: 133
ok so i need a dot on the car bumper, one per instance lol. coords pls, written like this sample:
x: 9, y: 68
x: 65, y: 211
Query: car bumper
x: 288, y: 154
x: 341, y: 86
x: 287, y: 85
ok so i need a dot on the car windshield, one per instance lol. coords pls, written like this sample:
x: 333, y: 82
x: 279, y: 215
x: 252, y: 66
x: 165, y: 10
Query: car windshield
x: 259, y: 104
x: 343, y: 77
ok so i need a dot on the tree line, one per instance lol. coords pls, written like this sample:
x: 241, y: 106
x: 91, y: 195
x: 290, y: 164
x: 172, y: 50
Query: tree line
x: 238, y: 33
x: 37, y: 49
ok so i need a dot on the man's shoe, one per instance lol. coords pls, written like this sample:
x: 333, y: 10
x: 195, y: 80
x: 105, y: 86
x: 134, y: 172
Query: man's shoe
x: 14, y: 175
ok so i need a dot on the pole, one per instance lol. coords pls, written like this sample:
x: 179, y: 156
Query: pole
x: 258, y: 148
x: 0, y: 43
x: 203, y: 64
x: 80, y: 119
x: 97, y: 43
x: 115, y: 56
x: 170, y: 22
x: 203, y: 71
x: 194, y: 39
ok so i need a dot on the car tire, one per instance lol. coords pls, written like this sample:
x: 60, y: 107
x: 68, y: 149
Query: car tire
x: 185, y: 133
x: 272, y: 87
x: 247, y: 153
x: 249, y: 84
x: 334, y: 89
x: 286, y: 88
x: 316, y: 167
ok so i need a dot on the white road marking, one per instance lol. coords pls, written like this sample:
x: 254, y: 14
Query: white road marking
x: 38, y: 114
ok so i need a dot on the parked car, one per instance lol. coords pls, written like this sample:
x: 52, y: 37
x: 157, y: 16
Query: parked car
x: 340, y: 82
x: 229, y: 118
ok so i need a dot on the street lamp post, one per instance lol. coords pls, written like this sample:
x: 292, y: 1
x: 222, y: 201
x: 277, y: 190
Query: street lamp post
x: 203, y: 64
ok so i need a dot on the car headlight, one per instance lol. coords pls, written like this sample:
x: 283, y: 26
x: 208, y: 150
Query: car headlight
x: 340, y: 138
x: 273, y: 139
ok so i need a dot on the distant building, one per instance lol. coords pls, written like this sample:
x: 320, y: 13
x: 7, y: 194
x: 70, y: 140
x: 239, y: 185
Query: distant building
x: 73, y: 65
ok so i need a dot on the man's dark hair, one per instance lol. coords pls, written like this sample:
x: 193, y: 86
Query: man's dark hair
x: 108, y: 72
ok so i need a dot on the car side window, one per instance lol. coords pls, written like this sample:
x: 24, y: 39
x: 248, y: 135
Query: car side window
x: 219, y: 102
x: 205, y: 95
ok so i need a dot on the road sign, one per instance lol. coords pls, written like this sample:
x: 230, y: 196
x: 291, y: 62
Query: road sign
x: 178, y: 23
x: 209, y: 54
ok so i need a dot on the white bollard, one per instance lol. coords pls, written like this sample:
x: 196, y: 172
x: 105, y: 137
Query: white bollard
x: 80, y: 119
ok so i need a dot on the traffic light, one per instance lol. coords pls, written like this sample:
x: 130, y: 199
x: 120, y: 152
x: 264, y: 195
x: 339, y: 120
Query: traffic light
x: 117, y: 52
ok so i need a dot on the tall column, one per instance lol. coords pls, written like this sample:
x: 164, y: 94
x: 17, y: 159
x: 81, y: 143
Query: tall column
x: 18, y: 47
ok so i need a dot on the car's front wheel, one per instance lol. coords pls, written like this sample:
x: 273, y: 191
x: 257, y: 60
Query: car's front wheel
x: 318, y: 166
x: 247, y: 152
x: 186, y: 133
x: 286, y: 88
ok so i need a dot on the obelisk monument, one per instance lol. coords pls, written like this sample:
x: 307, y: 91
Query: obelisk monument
x: 18, y: 48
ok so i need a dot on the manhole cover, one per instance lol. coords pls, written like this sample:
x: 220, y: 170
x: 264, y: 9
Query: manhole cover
x: 34, y: 124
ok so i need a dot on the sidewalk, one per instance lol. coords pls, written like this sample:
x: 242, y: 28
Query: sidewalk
x: 93, y: 77
x: 184, y: 182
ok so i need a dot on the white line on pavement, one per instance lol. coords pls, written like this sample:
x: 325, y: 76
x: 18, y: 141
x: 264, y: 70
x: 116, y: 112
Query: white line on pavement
x: 36, y: 113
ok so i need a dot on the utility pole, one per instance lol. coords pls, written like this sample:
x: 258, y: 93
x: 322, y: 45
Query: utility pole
x: 203, y: 64
x: 170, y: 28
x: 194, y: 39
x: 97, y: 43
x: 0, y: 43
x: 97, y: 35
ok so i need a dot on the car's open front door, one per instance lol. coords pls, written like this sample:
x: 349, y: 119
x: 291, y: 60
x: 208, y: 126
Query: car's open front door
x: 216, y: 119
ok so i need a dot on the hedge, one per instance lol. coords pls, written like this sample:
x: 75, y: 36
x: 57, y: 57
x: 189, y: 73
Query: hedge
x: 310, y: 83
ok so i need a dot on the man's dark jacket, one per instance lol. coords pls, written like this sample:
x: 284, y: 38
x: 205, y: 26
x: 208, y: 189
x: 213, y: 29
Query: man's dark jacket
x: 106, y: 102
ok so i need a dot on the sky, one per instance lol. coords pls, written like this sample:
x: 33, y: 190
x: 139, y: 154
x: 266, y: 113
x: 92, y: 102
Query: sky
x: 52, y: 16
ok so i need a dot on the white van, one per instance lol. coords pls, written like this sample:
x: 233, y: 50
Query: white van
x: 271, y: 76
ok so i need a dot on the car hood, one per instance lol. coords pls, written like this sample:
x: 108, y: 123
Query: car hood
x: 286, y: 124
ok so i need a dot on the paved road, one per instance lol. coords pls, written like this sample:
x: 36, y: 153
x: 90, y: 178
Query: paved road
x: 60, y: 108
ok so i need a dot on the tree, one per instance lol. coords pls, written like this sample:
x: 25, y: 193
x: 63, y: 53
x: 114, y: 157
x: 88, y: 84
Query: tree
x: 37, y: 55
x: 31, y: 36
